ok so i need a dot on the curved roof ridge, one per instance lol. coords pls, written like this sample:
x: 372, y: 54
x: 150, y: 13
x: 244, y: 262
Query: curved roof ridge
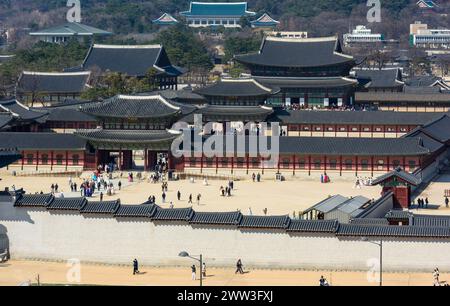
x: 56, y: 73
x: 301, y: 40
x: 150, y: 97
x: 105, y: 46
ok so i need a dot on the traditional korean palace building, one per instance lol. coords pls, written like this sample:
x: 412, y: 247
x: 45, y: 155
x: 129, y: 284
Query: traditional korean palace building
x: 134, y: 61
x: 51, y: 87
x: 309, y: 72
x: 165, y: 20
x: 265, y: 22
x: 70, y: 30
x: 215, y: 14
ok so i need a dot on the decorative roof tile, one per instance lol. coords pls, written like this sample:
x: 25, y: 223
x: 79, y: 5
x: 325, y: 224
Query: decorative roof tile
x: 225, y: 218
x: 272, y: 222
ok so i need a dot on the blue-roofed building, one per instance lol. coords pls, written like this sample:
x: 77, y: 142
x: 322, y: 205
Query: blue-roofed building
x: 265, y: 21
x: 208, y: 14
x: 424, y: 4
x: 165, y: 20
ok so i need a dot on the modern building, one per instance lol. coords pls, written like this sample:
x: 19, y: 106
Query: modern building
x: 311, y: 72
x: 362, y: 35
x: 216, y: 14
x: 264, y: 22
x: 165, y: 20
x: 134, y: 61
x: 68, y: 31
x: 423, y: 37
x: 51, y: 87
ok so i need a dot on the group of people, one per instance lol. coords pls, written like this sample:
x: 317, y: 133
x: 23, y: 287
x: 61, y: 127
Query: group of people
x: 256, y: 177
x: 54, y: 188
x: 324, y: 178
x: 422, y: 203
x: 226, y: 192
x: 363, y: 181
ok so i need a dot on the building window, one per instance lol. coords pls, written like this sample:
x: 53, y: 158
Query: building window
x: 286, y: 163
x: 44, y: 159
x: 225, y: 162
x: 59, y: 159
x: 75, y: 159
x: 255, y: 162
x: 364, y: 164
x: 301, y: 164
x: 30, y: 158
x: 240, y: 162
x: 317, y: 164
x: 333, y: 164
x: 348, y: 164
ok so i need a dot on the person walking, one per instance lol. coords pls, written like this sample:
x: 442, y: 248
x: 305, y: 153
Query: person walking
x: 190, y: 199
x: 53, y: 188
x: 164, y: 197
x: 135, y: 267
x: 446, y: 202
x: 56, y: 188
x: 426, y: 202
x: 194, y: 273
x: 119, y: 184
x: 239, y: 268
x: 179, y: 195
x: 254, y: 177
x: 199, y: 196
x: 258, y: 177
x: 204, y: 270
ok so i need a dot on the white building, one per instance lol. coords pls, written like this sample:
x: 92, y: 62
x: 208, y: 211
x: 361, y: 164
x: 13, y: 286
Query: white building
x: 423, y: 37
x: 361, y: 34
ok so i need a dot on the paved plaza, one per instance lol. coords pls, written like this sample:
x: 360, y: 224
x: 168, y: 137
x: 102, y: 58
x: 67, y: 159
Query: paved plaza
x: 18, y: 272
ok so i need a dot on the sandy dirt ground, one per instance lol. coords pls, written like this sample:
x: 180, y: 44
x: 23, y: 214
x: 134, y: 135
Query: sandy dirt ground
x: 17, y: 272
x: 435, y: 194
x: 280, y: 198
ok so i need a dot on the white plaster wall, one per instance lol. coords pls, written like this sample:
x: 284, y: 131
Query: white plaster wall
x: 39, y: 234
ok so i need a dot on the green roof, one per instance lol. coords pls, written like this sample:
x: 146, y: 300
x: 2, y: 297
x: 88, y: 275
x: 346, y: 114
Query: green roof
x: 71, y: 29
x: 237, y: 9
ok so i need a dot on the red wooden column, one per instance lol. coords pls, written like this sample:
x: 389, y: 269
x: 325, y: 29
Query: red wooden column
x: 23, y: 159
x: 67, y: 160
x: 388, y: 164
x: 248, y: 162
x: 356, y: 165
x: 201, y: 163
x: 37, y: 160
x: 217, y: 164
x: 371, y: 161
x: 145, y: 159
x: 294, y: 164
x: 309, y: 165
x: 51, y: 160
x: 232, y: 165
x: 325, y: 163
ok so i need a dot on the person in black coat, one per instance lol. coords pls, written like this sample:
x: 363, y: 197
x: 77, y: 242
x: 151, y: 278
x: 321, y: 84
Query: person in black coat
x: 135, y: 267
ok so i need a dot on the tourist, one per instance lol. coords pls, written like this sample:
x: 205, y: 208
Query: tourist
x: 135, y: 267
x: 254, y: 177
x: 204, y: 270
x: 323, y: 282
x: 205, y: 182
x: 75, y: 187
x: 101, y: 196
x: 53, y: 188
x: 258, y: 178
x: 56, y: 188
x: 446, y: 202
x: 426, y: 202
x: 190, y: 199
x: 229, y: 192
x: 250, y: 213
x: 436, y: 277
x: 119, y: 184
x: 239, y: 267
x: 179, y: 195
x: 164, y: 197
x: 199, y: 196
x: 171, y: 205
x: 194, y: 273
x: 265, y: 211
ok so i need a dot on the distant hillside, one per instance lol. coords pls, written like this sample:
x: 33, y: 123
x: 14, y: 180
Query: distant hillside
x: 134, y: 16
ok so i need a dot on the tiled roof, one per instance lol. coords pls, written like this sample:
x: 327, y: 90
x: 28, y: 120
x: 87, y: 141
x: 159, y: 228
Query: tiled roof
x: 370, y: 221
x: 376, y: 78
x: 236, y: 9
x: 272, y: 222
x: 107, y: 207
x: 313, y: 226
x: 34, y: 200
x: 431, y: 221
x: 400, y: 97
x: 398, y: 215
x: 264, y: 21
x: 313, y: 82
x: 41, y: 141
x: 354, y: 117
x: 136, y: 211
x: 5, y: 58
x: 21, y: 111
x: 8, y: 156
x: 236, y: 87
x: 126, y: 136
x: 439, y: 129
x: 426, y: 141
x: 68, y: 114
x: 71, y: 29
x: 392, y: 231
x: 136, y: 106
x: 130, y: 60
x: 328, y: 204
x: 287, y: 52
x: 235, y: 110
x: 226, y: 218
x: 401, y: 174
x: 173, y: 214
x: 5, y: 119
x: 61, y: 82
x: 165, y: 19
x: 69, y: 204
